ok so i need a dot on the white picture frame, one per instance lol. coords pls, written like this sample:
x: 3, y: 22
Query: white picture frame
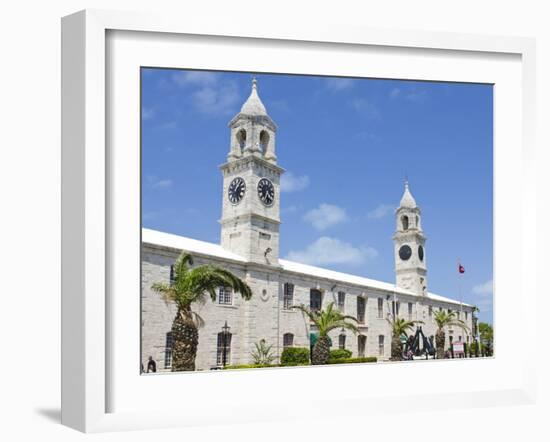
x: 87, y: 210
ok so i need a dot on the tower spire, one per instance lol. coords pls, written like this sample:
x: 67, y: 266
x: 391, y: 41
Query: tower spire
x: 407, y: 200
x: 253, y: 106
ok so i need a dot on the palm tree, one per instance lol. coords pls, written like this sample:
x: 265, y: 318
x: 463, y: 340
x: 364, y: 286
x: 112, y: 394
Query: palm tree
x: 445, y: 319
x: 399, y: 327
x: 325, y: 321
x: 190, y: 286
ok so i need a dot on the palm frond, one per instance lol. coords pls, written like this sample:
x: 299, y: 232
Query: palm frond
x: 165, y: 290
x: 312, y: 317
x: 209, y: 278
x: 181, y: 266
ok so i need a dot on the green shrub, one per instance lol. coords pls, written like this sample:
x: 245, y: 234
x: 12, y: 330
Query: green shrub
x: 295, y: 356
x: 353, y: 360
x: 240, y: 367
x: 340, y: 353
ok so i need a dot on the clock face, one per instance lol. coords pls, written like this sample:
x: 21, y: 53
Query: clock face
x: 421, y: 253
x: 405, y: 252
x: 266, y: 191
x: 236, y: 190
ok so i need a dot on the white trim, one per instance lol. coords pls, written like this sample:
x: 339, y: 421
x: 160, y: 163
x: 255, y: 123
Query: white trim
x: 86, y: 208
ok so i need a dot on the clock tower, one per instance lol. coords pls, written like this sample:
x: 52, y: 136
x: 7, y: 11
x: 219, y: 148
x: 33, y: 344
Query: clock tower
x: 409, y: 240
x: 251, y: 185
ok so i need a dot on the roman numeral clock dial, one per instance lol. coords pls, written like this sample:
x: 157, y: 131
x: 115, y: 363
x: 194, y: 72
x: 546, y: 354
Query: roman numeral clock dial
x: 266, y: 191
x: 236, y: 190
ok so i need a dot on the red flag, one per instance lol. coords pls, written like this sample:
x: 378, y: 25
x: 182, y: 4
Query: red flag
x: 461, y: 268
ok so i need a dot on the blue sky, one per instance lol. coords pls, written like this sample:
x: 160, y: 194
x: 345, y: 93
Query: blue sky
x: 347, y: 146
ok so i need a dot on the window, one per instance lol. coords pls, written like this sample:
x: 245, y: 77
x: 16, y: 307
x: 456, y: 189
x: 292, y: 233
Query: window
x: 168, y: 350
x: 405, y: 222
x: 381, y: 345
x: 342, y: 341
x: 380, y: 308
x: 341, y: 301
x: 361, y: 304
x: 315, y: 300
x: 449, y: 311
x: 288, y: 295
x: 361, y: 344
x: 241, y: 139
x: 288, y: 340
x: 223, y: 354
x: 225, y: 296
x: 172, y: 274
x: 395, y: 308
x: 430, y: 311
x: 264, y: 141
x: 466, y: 316
x: 410, y: 311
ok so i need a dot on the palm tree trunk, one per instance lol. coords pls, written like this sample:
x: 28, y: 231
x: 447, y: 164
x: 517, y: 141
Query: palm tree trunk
x: 440, y: 344
x: 185, y: 342
x: 321, y: 351
x: 396, y: 349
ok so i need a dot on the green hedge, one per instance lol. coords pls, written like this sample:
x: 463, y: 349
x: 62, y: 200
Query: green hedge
x: 340, y: 353
x: 238, y: 367
x: 295, y: 356
x: 353, y: 360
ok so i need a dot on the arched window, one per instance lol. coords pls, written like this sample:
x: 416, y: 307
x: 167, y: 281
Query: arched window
x: 241, y: 139
x: 288, y: 340
x: 264, y: 141
x: 223, y: 354
x: 405, y: 222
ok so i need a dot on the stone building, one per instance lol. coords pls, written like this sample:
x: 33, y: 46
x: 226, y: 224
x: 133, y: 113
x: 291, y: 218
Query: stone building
x: 250, y: 249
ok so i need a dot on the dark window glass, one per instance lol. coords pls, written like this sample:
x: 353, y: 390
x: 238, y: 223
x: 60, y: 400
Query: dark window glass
x: 315, y: 300
x: 225, y: 296
x: 223, y: 354
x: 288, y: 295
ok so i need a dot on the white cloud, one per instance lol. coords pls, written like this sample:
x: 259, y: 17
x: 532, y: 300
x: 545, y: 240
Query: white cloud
x: 417, y: 95
x: 325, y: 216
x: 168, y: 125
x: 291, y: 183
x: 157, y: 183
x: 222, y: 99
x: 381, y: 211
x: 195, y: 78
x: 147, y: 113
x: 484, y: 289
x: 395, y: 92
x: 162, y: 184
x: 212, y: 94
x: 339, y: 84
x: 326, y: 251
x: 365, y: 107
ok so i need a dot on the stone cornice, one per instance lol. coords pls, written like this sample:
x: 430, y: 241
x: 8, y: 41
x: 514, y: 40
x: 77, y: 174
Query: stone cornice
x: 243, y: 162
x: 248, y: 217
